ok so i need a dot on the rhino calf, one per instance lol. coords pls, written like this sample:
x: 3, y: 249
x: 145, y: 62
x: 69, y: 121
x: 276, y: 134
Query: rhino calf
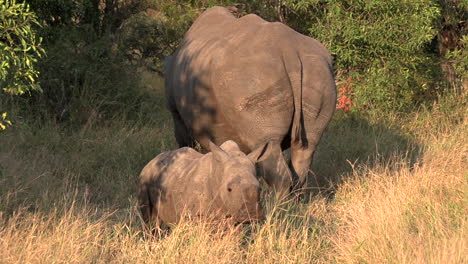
x: 221, y: 184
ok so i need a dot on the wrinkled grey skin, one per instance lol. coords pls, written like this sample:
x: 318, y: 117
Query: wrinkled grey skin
x: 252, y: 81
x: 218, y: 185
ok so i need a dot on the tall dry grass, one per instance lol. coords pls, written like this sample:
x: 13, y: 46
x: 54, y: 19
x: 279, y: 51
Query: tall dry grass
x: 399, y: 197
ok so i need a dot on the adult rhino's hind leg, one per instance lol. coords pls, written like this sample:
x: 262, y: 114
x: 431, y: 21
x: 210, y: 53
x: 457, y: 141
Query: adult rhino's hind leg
x: 302, y: 152
x: 301, y: 159
x: 317, y: 108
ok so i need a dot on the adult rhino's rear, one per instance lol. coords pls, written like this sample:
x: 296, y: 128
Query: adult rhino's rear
x: 251, y: 81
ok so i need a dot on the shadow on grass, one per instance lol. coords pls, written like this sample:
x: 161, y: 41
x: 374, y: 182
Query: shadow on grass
x: 353, y: 142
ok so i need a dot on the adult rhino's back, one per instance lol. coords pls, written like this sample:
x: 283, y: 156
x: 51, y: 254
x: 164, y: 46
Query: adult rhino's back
x: 233, y: 71
x: 247, y: 79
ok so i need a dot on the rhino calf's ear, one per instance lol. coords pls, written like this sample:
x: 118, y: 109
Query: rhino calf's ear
x: 230, y: 146
x: 260, y: 153
x: 218, y: 153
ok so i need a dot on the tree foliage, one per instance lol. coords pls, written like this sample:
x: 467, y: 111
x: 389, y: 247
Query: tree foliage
x: 389, y: 55
x: 155, y: 32
x: 382, y: 46
x: 20, y: 48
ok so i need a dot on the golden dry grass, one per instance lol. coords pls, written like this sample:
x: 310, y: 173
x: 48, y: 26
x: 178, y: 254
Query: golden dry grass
x: 69, y: 198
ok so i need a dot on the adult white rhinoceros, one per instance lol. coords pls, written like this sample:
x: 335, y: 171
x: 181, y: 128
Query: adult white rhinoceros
x: 253, y: 82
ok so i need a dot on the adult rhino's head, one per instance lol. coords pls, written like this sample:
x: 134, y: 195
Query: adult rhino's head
x: 238, y: 187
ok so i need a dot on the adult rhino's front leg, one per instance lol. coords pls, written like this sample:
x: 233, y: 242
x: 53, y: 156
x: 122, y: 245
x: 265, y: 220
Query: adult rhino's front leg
x: 274, y: 169
x: 181, y: 132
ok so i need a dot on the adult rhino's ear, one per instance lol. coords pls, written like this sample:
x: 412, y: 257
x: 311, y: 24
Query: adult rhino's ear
x: 260, y: 153
x: 218, y: 153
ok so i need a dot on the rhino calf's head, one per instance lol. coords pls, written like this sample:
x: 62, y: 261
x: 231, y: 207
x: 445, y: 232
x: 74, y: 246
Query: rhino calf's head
x: 237, y: 186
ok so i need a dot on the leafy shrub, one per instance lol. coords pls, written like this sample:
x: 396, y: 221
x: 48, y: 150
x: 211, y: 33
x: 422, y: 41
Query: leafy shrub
x: 83, y: 77
x: 386, y: 50
x: 453, y: 43
x: 4, y: 122
x: 102, y: 15
x: 94, y: 63
x: 20, y: 48
x: 459, y: 58
x: 384, y: 43
x: 148, y: 36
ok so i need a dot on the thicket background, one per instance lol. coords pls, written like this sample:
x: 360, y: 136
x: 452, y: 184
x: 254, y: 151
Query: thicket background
x: 81, y: 84
x: 389, y: 55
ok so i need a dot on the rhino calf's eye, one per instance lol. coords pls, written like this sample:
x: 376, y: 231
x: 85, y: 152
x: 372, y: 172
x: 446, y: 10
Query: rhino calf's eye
x: 229, y: 189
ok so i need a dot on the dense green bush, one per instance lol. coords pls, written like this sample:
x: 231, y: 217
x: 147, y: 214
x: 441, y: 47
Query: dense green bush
x: 390, y: 55
x: 147, y: 37
x: 102, y: 15
x: 453, y: 43
x: 152, y: 34
x: 20, y: 48
x: 459, y: 58
x: 383, y: 46
x: 84, y: 77
x: 98, y: 54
